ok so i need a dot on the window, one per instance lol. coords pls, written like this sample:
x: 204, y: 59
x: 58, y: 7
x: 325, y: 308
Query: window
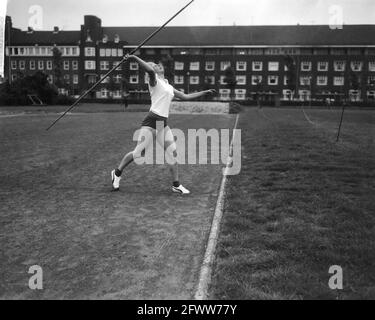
x: 32, y: 64
x: 106, y: 80
x: 273, y: 80
x: 224, y: 94
x: 355, y: 95
x: 240, y: 94
x: 241, y: 65
x: 224, y: 65
x: 194, y: 66
x: 256, y: 52
x: 75, y: 78
x: 194, y: 80
x: 178, y: 79
x: 305, y: 81
x: 304, y: 95
x: 90, y: 65
x: 286, y: 80
x: 150, y: 52
x: 179, y: 65
x: 117, y: 94
x: 322, y: 80
x: 75, y: 65
x: 371, y: 95
x: 272, y: 51
x: 306, y: 66
x: 196, y: 51
x: 339, y: 65
x: 371, y: 66
x: 108, y: 52
x: 256, y: 80
x: 49, y: 65
x: 117, y: 78
x: 209, y: 80
x: 66, y: 65
x: 354, y: 51
x: 321, y: 52
x: 241, y: 52
x: 40, y: 65
x: 356, y: 65
x: 322, y: 66
x: 210, y: 65
x: 338, y: 52
x: 211, y: 52
x: 75, y: 51
x: 134, y: 66
x: 104, y: 93
x: 241, y: 80
x: 225, y: 52
x: 104, y: 65
x: 14, y: 65
x: 120, y: 52
x: 89, y: 52
x: 134, y: 79
x: 91, y: 79
x: 338, y: 81
x: 222, y: 80
x: 102, y: 52
x: 22, y: 64
x: 115, y: 63
x: 273, y: 66
x: 114, y: 52
x: 50, y: 78
x: 287, y: 94
x: 14, y: 77
x: 371, y: 80
x: 257, y: 66
x: 67, y: 78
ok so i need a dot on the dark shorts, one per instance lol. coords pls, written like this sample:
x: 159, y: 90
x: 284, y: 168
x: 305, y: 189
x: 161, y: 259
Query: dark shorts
x: 151, y: 119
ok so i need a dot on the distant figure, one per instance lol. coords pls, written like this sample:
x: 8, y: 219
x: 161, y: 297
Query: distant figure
x: 126, y: 95
x: 162, y: 94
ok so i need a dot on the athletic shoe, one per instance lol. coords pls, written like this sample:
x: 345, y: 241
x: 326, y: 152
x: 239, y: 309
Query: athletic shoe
x: 115, y: 181
x: 180, y: 189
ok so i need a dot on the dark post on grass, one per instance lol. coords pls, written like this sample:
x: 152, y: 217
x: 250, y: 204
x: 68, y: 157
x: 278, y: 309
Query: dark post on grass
x: 342, y: 117
x: 118, y: 65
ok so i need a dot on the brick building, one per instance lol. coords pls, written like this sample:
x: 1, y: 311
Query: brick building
x: 274, y: 62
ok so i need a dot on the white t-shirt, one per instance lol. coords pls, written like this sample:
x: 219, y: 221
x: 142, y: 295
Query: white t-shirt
x: 162, y: 95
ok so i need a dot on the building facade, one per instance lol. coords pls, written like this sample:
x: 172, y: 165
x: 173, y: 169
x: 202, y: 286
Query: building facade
x: 271, y: 62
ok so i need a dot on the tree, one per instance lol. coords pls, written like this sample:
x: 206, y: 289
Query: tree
x: 168, y: 64
x: 230, y: 80
x: 36, y: 84
x: 57, y: 68
x: 291, y: 73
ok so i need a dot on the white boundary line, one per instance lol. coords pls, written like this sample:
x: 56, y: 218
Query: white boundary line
x: 206, y: 268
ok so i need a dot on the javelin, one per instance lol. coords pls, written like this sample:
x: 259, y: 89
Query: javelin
x: 117, y: 66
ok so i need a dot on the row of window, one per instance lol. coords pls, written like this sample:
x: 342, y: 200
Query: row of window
x: 72, y: 51
x: 275, y: 66
x: 67, y: 78
x: 118, y: 52
x: 338, y: 66
x: 260, y: 51
x: 41, y: 65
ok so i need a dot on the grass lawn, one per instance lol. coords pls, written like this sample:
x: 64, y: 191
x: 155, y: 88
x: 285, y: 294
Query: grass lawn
x: 301, y: 204
x: 57, y: 210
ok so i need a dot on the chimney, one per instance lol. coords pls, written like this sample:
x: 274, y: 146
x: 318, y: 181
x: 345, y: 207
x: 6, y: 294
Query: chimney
x: 30, y: 30
x: 55, y: 29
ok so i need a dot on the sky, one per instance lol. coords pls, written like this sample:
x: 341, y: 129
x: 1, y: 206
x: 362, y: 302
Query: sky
x: 68, y: 14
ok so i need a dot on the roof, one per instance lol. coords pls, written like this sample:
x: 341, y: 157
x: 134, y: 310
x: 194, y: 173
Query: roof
x: 317, y: 35
x: 44, y: 37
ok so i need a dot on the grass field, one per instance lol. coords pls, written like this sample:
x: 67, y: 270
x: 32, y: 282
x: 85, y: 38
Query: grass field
x: 301, y: 204
x: 57, y: 211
